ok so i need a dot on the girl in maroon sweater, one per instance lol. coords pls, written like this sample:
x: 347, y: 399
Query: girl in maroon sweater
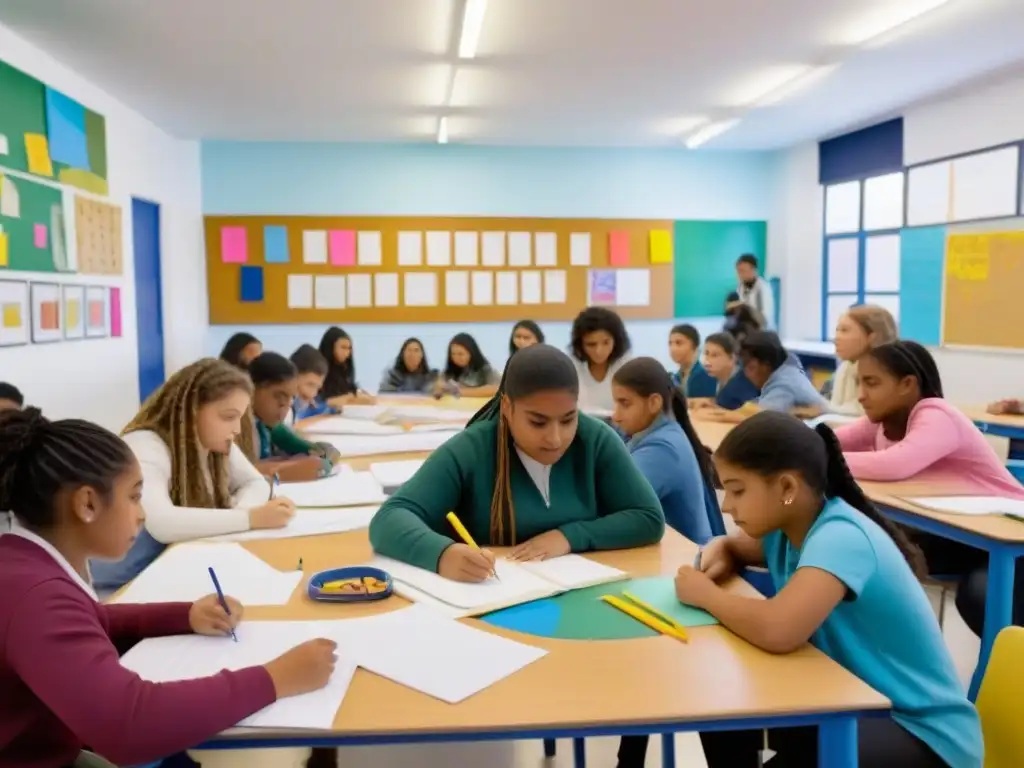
x: 75, y: 489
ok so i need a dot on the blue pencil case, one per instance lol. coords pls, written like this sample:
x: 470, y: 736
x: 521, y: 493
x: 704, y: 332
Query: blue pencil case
x: 355, y: 584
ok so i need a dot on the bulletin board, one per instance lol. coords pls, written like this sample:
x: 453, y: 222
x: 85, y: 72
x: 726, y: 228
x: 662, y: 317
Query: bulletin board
x: 379, y: 269
x: 984, y: 279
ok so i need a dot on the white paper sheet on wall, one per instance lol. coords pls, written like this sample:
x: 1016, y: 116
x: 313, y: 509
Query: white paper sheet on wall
x: 300, y: 291
x: 530, y: 287
x: 507, y: 288
x: 483, y: 289
x: 314, y: 246
x: 410, y: 249
x: 360, y: 290
x: 546, y: 249
x: 554, y: 286
x: 330, y: 292
x: 579, y: 249
x: 3, y: 144
x: 385, y: 289
x: 493, y: 249
x: 519, y: 249
x: 439, y: 249
x: 466, y: 247
x: 369, y: 249
x: 456, y: 288
x: 633, y: 288
x: 10, y: 200
x: 420, y: 289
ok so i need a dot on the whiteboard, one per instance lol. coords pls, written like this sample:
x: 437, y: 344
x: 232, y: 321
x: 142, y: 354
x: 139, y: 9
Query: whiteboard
x: 842, y: 208
x: 883, y: 202
x: 882, y: 263
x: 928, y: 194
x: 985, y: 184
x: 843, y: 259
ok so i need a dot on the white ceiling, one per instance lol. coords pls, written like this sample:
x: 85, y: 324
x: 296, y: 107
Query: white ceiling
x: 548, y: 72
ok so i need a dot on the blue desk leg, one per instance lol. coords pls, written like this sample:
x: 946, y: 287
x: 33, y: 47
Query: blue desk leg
x: 579, y: 753
x: 668, y: 750
x: 998, y: 608
x: 549, y: 748
x: 837, y: 743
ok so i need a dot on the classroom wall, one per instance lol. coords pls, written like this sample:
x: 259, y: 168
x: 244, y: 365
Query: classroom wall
x: 262, y: 178
x: 97, y: 379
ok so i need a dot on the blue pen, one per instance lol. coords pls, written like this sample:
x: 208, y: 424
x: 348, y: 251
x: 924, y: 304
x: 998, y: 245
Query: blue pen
x: 275, y: 481
x: 220, y: 596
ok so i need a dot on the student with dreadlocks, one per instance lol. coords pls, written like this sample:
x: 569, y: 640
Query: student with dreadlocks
x: 75, y: 490
x: 198, y: 482
x: 529, y: 471
x: 846, y: 582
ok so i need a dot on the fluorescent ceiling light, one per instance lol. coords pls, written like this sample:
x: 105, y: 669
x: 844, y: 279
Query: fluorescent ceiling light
x: 709, y: 132
x: 442, y: 131
x: 879, y: 29
x: 472, y: 23
x: 801, y: 82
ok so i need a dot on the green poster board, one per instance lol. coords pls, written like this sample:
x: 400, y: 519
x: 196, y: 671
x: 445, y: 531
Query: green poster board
x: 39, y: 204
x: 705, y: 262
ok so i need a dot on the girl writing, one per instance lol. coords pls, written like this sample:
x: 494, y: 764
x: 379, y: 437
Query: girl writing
x: 340, y: 386
x: 467, y: 371
x: 410, y: 374
x: 600, y: 346
x: 861, y: 328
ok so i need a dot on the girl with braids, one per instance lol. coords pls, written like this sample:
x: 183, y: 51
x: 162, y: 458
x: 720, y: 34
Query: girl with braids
x: 340, y: 387
x: 529, y: 471
x: 846, y: 582
x: 76, y: 490
x: 241, y: 349
x: 198, y: 481
x: 910, y: 431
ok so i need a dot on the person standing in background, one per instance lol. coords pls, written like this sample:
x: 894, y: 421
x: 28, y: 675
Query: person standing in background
x: 754, y: 290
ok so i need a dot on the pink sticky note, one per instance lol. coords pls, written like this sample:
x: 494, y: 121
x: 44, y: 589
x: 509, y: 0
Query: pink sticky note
x: 342, y: 247
x: 40, y: 235
x: 618, y: 249
x: 115, y: 313
x: 234, y: 245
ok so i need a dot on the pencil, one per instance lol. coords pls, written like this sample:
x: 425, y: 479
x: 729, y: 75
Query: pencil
x: 220, y: 596
x: 644, y: 618
x: 656, y: 613
x: 465, y: 536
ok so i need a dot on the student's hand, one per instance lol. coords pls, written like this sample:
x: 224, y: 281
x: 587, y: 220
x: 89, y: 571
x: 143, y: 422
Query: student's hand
x: 304, y: 668
x: 305, y: 469
x: 693, y: 586
x: 1004, y: 406
x: 700, y: 403
x: 716, y: 559
x: 207, y: 616
x: 461, y: 562
x: 274, y: 514
x: 365, y: 398
x: 543, y: 547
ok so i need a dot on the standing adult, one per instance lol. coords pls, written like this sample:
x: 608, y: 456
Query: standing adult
x: 754, y: 290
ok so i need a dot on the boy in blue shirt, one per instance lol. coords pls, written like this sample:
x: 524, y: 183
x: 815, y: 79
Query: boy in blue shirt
x: 733, y: 388
x: 690, y: 376
x: 782, y: 380
x: 312, y: 368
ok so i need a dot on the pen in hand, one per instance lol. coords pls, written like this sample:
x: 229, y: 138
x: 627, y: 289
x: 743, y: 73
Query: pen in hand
x: 220, y: 597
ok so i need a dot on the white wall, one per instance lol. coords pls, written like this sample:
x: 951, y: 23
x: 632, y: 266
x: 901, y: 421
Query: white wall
x: 98, y: 379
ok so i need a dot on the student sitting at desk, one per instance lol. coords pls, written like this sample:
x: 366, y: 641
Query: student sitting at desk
x: 689, y: 376
x: 241, y: 349
x: 75, y: 491
x: 845, y: 580
x: 467, y: 372
x: 525, y: 333
x: 340, y: 387
x: 600, y: 346
x: 198, y: 483
x: 732, y: 387
x: 861, y: 328
x: 529, y: 471
x: 312, y: 369
x: 411, y: 374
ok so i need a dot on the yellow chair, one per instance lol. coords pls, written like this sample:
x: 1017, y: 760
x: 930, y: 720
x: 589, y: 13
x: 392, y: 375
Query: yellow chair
x: 999, y: 701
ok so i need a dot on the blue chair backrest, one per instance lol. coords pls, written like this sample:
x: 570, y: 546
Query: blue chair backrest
x: 714, y: 511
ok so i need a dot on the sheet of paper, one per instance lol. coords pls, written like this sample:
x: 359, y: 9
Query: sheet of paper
x: 350, y: 425
x: 369, y: 247
x: 314, y: 246
x: 493, y: 247
x: 341, y: 246
x: 466, y: 249
x: 661, y: 246
x: 329, y: 291
x: 360, y: 290
x: 408, y: 442
x: 448, y: 660
x: 310, y: 522
x: 4, y: 145
x: 38, y: 151
x: 554, y: 286
x: 618, y: 249
x: 456, y: 288
x: 830, y: 418
x: 392, y: 474
x: 421, y: 289
x: 410, y: 249
x: 971, y: 505
x: 385, y: 289
x: 483, y: 289
x: 439, y: 249
x: 300, y: 291
x: 530, y: 287
x: 507, y: 288
x: 345, y: 489
x: 425, y: 413
x: 363, y: 412
x: 545, y: 246
x: 575, y: 571
x: 579, y: 249
x: 10, y: 199
x: 181, y: 574
x: 633, y: 287
x: 519, y: 249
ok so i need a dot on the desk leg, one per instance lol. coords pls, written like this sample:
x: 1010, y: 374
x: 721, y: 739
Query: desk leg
x: 668, y: 750
x: 837, y: 743
x: 998, y: 608
x: 579, y: 753
x: 549, y: 748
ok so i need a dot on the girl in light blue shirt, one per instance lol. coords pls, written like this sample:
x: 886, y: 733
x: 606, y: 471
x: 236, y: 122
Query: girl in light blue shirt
x: 845, y: 581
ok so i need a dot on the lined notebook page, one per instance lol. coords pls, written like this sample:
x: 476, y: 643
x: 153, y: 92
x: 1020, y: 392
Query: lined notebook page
x: 344, y: 489
x: 574, y: 571
x: 971, y: 505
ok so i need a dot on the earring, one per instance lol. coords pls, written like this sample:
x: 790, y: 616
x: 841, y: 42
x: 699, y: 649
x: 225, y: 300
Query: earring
x: 787, y: 502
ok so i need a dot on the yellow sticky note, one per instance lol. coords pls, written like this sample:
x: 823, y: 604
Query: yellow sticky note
x: 12, y: 316
x: 71, y: 315
x: 38, y: 151
x: 3, y: 249
x: 661, y: 246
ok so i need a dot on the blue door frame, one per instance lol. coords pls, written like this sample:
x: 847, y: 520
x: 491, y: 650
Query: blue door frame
x: 148, y: 305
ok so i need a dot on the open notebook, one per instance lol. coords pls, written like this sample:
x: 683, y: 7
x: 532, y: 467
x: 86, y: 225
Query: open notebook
x: 971, y: 505
x: 516, y: 583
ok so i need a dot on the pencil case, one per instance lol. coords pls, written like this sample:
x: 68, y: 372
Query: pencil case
x: 355, y: 584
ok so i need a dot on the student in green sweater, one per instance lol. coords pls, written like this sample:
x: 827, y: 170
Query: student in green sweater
x: 529, y: 471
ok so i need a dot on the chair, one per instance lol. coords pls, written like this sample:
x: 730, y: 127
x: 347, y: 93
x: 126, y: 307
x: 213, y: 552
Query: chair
x: 999, y: 703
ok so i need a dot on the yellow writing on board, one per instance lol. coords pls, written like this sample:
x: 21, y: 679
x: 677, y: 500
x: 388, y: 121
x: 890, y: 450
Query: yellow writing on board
x: 968, y: 257
x: 4, y: 254
x: 38, y: 151
x: 12, y: 316
x: 661, y: 246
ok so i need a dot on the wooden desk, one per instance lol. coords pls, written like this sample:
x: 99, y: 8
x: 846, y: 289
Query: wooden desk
x: 1008, y: 426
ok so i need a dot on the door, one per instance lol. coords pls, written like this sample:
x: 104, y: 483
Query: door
x: 148, y: 307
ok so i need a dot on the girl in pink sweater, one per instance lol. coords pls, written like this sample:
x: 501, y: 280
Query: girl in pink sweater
x: 75, y: 492
x: 910, y: 432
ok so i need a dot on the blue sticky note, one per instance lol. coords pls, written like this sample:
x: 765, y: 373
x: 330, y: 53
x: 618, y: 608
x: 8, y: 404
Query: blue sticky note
x: 252, y: 284
x: 275, y: 245
x: 65, y: 130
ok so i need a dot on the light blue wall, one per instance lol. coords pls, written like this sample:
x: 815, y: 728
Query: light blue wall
x: 428, y: 179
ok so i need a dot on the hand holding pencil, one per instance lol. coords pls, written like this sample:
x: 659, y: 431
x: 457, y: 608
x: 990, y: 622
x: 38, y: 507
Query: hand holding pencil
x: 465, y: 562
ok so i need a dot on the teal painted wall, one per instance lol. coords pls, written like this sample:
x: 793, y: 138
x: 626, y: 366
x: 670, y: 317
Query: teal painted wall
x: 705, y: 261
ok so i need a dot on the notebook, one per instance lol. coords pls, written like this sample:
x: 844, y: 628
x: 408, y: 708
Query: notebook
x: 424, y: 414
x: 406, y: 442
x: 971, y: 505
x: 393, y: 474
x: 516, y: 583
x: 347, y: 488
x: 310, y: 522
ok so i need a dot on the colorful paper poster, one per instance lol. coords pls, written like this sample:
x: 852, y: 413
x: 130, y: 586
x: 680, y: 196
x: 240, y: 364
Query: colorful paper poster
x: 602, y: 286
x: 65, y: 130
x: 96, y: 299
x: 968, y: 257
x: 341, y: 246
x: 74, y: 302
x: 14, y: 313
x: 46, y: 313
x: 275, y: 245
x: 661, y: 246
x: 234, y: 245
x: 4, y: 253
x: 115, y: 313
x: 38, y: 151
x: 98, y: 237
x: 251, y: 284
x: 618, y: 249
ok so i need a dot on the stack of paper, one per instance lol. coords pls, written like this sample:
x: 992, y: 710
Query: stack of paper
x: 971, y: 505
x: 365, y: 412
x: 344, y: 425
x: 181, y: 574
x: 311, y: 522
x: 407, y: 442
x: 344, y: 489
x: 516, y: 583
x: 425, y: 414
x: 393, y: 474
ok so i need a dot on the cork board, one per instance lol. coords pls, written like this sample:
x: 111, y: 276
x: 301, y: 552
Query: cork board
x: 274, y: 269
x: 99, y: 237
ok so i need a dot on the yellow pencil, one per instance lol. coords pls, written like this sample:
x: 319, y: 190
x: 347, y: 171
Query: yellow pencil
x: 465, y: 536
x: 655, y: 612
x: 644, y: 618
